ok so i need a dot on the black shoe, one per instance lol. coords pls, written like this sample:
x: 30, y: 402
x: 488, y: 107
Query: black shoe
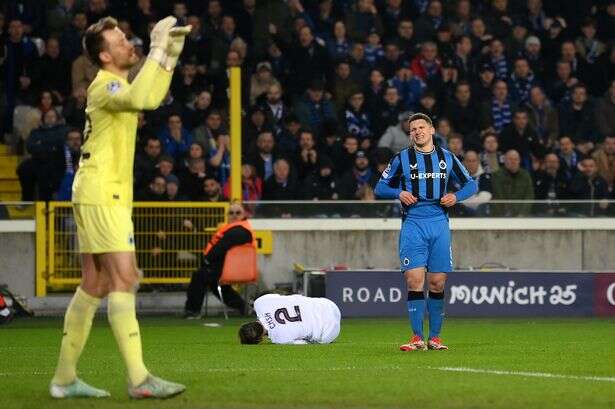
x: 191, y: 315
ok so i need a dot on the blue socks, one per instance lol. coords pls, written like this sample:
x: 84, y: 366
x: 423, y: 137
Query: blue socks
x: 435, y: 307
x: 416, y: 311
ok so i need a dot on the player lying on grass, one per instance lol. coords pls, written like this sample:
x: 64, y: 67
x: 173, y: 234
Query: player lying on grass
x: 102, y: 203
x: 292, y: 319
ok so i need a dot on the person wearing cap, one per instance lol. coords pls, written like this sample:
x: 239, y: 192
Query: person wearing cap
x: 261, y: 81
x: 360, y: 174
x: 419, y: 176
x: 533, y: 53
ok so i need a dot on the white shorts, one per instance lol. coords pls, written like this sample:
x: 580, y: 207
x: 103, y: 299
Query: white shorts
x: 332, y: 330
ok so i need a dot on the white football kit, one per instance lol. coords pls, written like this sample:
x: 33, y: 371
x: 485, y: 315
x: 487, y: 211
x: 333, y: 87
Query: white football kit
x: 295, y: 319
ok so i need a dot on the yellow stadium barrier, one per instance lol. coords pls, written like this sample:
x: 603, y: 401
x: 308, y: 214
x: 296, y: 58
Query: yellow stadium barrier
x: 169, y: 238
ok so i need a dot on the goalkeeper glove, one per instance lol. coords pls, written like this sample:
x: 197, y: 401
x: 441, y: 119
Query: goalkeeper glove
x: 159, y: 38
x: 177, y: 36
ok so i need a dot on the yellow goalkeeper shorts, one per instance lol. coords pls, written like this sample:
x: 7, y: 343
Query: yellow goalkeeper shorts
x: 104, y: 229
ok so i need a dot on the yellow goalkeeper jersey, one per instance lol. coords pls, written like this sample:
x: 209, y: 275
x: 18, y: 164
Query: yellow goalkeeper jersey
x: 105, y: 175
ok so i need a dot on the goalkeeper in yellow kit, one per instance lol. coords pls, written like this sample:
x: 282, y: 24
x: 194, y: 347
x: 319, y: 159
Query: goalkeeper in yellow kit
x: 102, y: 202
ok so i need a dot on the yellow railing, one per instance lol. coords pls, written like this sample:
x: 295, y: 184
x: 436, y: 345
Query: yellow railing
x: 169, y: 238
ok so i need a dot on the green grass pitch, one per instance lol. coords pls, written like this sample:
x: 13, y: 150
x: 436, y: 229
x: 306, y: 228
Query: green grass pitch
x: 493, y: 363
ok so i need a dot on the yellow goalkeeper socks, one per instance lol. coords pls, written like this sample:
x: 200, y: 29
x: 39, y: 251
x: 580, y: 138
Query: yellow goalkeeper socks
x: 77, y: 325
x: 123, y: 319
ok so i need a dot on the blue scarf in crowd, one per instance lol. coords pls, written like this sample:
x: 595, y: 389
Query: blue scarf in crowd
x: 501, y: 114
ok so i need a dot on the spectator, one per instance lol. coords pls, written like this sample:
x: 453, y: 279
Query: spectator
x: 497, y: 113
x: 212, y: 192
x: 521, y: 81
x: 191, y: 181
x: 287, y: 141
x: 313, y: 109
x: 205, y: 134
x: 146, y: 161
x: 543, y: 117
x: 444, y: 130
x: 275, y: 109
x: 264, y: 155
x: 605, y: 160
x: 491, y: 157
x: 251, y: 184
x: 360, y: 174
x: 392, y: 59
x: 156, y: 191
x: 363, y: 18
x: 550, y: 182
x: 175, y: 139
x: 462, y: 112
x: 373, y: 50
x: 396, y: 137
x: 72, y: 153
x: 455, y: 145
x: 321, y: 185
x: 261, y: 81
x: 166, y: 165
x: 462, y: 19
x: 576, y: 119
x: 496, y: 57
x: 605, y: 113
x: 409, y: 87
x: 561, y: 87
x: 463, y: 60
x: 482, y: 89
x: 83, y: 71
x: 219, y: 158
x: 511, y: 182
x: 255, y: 125
x: 281, y: 186
x: 359, y: 66
x: 172, y: 190
x: 74, y: 108
x: 521, y: 137
x: 569, y: 156
x: 428, y: 23
x: 386, y: 112
x: 589, y: 185
x: 197, y: 111
x: 374, y: 91
x: 338, y: 46
x: 52, y: 69
x: 307, y: 160
x: 587, y: 45
x: 533, y: 55
x: 475, y: 205
x: 41, y: 174
x: 343, y: 85
x: 405, y: 39
x: 188, y: 83
x: 357, y: 120
x: 70, y: 39
x: 427, y: 66
x: 480, y: 36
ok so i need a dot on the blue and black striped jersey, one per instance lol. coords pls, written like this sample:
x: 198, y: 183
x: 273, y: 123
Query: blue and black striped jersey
x: 426, y: 176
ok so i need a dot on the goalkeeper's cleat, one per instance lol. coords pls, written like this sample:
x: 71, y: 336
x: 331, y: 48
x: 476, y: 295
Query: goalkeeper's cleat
x: 77, y: 389
x: 415, y: 344
x: 436, y: 344
x: 154, y: 387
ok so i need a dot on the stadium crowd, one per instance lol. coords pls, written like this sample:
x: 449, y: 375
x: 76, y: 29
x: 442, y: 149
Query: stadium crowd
x: 522, y: 91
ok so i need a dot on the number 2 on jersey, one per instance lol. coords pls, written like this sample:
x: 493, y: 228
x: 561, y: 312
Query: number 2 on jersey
x: 282, y: 316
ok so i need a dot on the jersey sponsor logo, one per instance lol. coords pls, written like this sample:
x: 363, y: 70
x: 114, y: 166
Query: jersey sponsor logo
x: 385, y: 174
x: 442, y: 164
x: 113, y: 87
x: 430, y: 175
x: 269, y: 321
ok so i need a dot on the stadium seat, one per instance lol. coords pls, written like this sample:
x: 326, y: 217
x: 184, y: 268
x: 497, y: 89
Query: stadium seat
x: 240, y: 267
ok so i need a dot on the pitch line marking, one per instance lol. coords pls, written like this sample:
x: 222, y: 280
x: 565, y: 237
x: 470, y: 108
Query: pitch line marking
x: 522, y: 373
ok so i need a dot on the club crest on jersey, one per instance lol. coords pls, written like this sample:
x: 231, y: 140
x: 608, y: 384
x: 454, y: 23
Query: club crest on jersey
x: 442, y: 164
x: 113, y: 87
x: 385, y: 174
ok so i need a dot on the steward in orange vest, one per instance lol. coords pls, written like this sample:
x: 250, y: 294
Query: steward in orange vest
x: 236, y: 232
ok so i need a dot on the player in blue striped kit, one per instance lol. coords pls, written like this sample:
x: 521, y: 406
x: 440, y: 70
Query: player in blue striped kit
x: 419, y: 177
